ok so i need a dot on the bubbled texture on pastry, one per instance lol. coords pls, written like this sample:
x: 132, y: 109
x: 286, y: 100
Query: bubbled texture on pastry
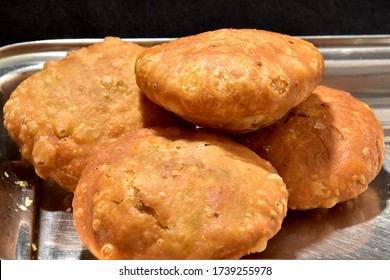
x: 59, y: 115
x: 327, y: 149
x: 232, y: 80
x: 176, y: 194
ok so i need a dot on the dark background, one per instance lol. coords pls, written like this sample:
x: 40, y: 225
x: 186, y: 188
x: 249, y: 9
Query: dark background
x: 43, y: 19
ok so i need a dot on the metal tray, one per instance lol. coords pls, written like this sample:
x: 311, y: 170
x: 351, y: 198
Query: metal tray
x: 36, y: 221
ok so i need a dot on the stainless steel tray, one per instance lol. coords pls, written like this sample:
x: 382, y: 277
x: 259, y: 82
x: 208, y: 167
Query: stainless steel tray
x: 36, y: 223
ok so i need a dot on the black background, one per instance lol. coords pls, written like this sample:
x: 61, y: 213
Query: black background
x: 43, y: 19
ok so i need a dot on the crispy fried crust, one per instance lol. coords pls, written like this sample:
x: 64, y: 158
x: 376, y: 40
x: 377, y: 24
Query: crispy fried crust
x: 327, y: 149
x: 233, y: 80
x: 59, y: 115
x: 175, y: 194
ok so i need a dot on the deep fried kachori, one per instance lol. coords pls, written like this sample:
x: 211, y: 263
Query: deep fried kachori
x: 232, y: 80
x: 59, y: 115
x: 327, y: 149
x: 166, y: 193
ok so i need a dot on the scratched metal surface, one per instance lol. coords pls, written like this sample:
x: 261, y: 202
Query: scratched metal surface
x: 356, y: 229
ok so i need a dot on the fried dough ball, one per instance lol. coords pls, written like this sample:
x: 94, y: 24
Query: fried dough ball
x: 59, y: 115
x: 232, y: 80
x: 327, y: 149
x: 166, y: 193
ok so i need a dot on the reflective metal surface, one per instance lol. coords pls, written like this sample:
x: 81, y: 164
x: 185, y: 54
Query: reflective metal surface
x: 18, y: 210
x: 356, y: 229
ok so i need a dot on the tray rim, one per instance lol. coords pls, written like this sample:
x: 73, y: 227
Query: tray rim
x: 63, y: 44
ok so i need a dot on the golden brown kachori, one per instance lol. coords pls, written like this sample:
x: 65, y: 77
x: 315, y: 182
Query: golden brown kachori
x: 327, y: 149
x: 232, y: 80
x: 166, y: 193
x: 59, y: 115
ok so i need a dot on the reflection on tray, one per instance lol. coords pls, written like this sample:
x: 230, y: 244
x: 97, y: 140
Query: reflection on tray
x: 341, y: 232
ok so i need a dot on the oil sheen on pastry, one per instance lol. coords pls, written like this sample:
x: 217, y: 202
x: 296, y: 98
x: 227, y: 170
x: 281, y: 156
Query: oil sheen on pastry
x: 166, y: 193
x: 327, y: 149
x: 232, y: 80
